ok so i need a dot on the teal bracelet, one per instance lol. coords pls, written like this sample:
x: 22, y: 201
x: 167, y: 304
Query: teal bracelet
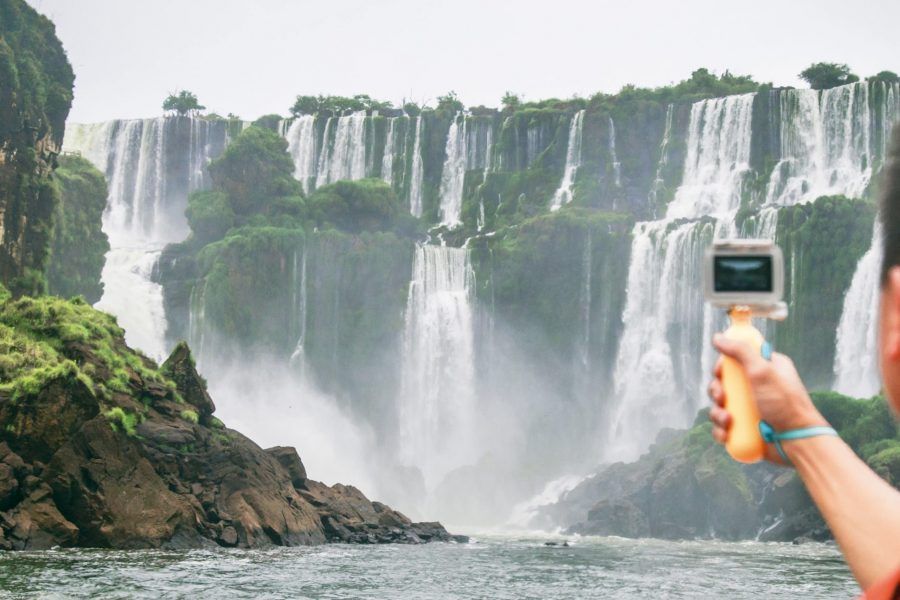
x: 772, y: 437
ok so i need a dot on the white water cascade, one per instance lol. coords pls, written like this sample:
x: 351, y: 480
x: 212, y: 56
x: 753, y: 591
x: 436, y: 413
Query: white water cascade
x: 387, y: 159
x: 437, y: 405
x: 343, y: 154
x: 151, y: 166
x: 826, y: 145
x: 563, y: 195
x: 855, y: 361
x: 657, y: 371
x: 454, y: 173
x: 301, y: 138
x: 616, y: 165
x: 415, y: 182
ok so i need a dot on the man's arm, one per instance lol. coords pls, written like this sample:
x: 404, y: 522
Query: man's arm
x: 861, y: 509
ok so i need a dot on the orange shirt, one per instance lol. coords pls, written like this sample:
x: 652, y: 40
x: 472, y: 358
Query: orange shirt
x: 886, y: 589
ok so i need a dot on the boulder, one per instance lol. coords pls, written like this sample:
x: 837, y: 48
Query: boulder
x: 288, y: 458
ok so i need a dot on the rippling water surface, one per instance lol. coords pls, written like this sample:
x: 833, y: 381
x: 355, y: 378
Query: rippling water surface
x: 493, y: 566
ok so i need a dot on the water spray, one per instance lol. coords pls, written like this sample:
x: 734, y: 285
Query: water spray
x: 746, y: 277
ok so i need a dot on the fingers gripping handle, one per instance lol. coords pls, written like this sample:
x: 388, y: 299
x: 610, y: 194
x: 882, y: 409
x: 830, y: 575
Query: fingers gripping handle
x: 745, y: 443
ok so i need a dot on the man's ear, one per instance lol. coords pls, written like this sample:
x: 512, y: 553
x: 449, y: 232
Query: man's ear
x: 890, y: 316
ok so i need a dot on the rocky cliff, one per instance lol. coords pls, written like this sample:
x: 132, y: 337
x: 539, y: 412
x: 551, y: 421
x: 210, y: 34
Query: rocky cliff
x: 35, y: 95
x: 100, y: 447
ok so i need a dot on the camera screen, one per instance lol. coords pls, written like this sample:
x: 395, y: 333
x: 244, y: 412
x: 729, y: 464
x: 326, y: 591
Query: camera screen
x: 742, y: 273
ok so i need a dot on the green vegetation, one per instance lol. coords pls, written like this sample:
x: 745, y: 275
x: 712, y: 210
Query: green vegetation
x: 35, y: 94
x: 450, y: 102
x: 822, y: 76
x: 510, y: 102
x: 307, y: 105
x: 886, y: 77
x: 78, y: 245
x: 254, y: 170
x: 47, y: 337
x: 823, y: 242
x: 190, y: 415
x: 120, y: 419
x: 357, y: 206
x: 183, y: 103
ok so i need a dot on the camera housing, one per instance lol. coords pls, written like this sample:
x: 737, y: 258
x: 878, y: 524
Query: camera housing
x: 744, y: 273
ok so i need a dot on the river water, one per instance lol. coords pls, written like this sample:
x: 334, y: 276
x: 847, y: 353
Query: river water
x: 493, y: 566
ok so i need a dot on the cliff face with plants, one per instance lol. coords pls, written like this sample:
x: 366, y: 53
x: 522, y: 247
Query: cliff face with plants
x: 35, y: 95
x: 100, y: 447
x: 78, y: 245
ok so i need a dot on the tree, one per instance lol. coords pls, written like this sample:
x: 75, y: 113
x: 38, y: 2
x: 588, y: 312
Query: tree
x: 887, y: 77
x: 209, y: 214
x: 254, y: 170
x: 412, y: 109
x: 305, y: 105
x: 511, y: 101
x: 822, y: 76
x: 450, y: 102
x: 182, y: 102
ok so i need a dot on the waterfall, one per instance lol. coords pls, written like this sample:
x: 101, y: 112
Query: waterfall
x: 298, y: 312
x: 437, y: 403
x: 718, y: 158
x: 344, y: 156
x: 658, y: 179
x: 659, y: 365
x: 301, y: 138
x: 454, y: 172
x: 563, y: 195
x: 826, y: 143
x: 415, y: 184
x: 151, y: 166
x: 616, y: 165
x: 856, y: 357
x: 387, y: 160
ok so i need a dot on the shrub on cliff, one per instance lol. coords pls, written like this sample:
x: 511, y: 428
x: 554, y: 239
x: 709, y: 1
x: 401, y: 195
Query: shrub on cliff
x: 822, y: 76
x: 357, y: 206
x: 78, y: 245
x: 254, y: 170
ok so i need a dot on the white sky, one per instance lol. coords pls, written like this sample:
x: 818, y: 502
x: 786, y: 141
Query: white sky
x: 252, y: 57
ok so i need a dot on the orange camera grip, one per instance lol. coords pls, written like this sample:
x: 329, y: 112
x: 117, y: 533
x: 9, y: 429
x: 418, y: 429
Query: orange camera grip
x: 745, y: 444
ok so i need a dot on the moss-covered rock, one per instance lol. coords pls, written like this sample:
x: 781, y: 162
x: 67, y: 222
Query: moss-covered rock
x: 99, y: 447
x: 686, y: 486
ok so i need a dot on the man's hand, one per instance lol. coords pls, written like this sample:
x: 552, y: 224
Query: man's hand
x: 780, y: 395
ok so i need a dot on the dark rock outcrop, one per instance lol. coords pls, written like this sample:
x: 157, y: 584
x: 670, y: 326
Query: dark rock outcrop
x: 133, y: 458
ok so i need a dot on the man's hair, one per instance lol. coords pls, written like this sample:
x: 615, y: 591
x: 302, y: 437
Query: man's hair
x: 890, y: 206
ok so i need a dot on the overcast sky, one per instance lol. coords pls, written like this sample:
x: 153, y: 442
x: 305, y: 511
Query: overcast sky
x: 252, y: 57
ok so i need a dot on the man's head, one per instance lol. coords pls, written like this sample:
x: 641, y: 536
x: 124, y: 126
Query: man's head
x: 889, y: 325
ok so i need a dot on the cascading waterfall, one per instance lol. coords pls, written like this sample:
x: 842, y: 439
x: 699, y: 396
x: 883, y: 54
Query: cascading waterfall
x: 855, y: 362
x: 344, y: 155
x: 657, y: 373
x: 298, y: 313
x: 415, y: 183
x: 563, y: 195
x: 454, y: 172
x: 301, y: 138
x: 826, y: 144
x: 437, y: 403
x: 151, y: 166
x: 616, y: 165
x: 387, y: 160
x: 855, y: 369
x: 658, y: 180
